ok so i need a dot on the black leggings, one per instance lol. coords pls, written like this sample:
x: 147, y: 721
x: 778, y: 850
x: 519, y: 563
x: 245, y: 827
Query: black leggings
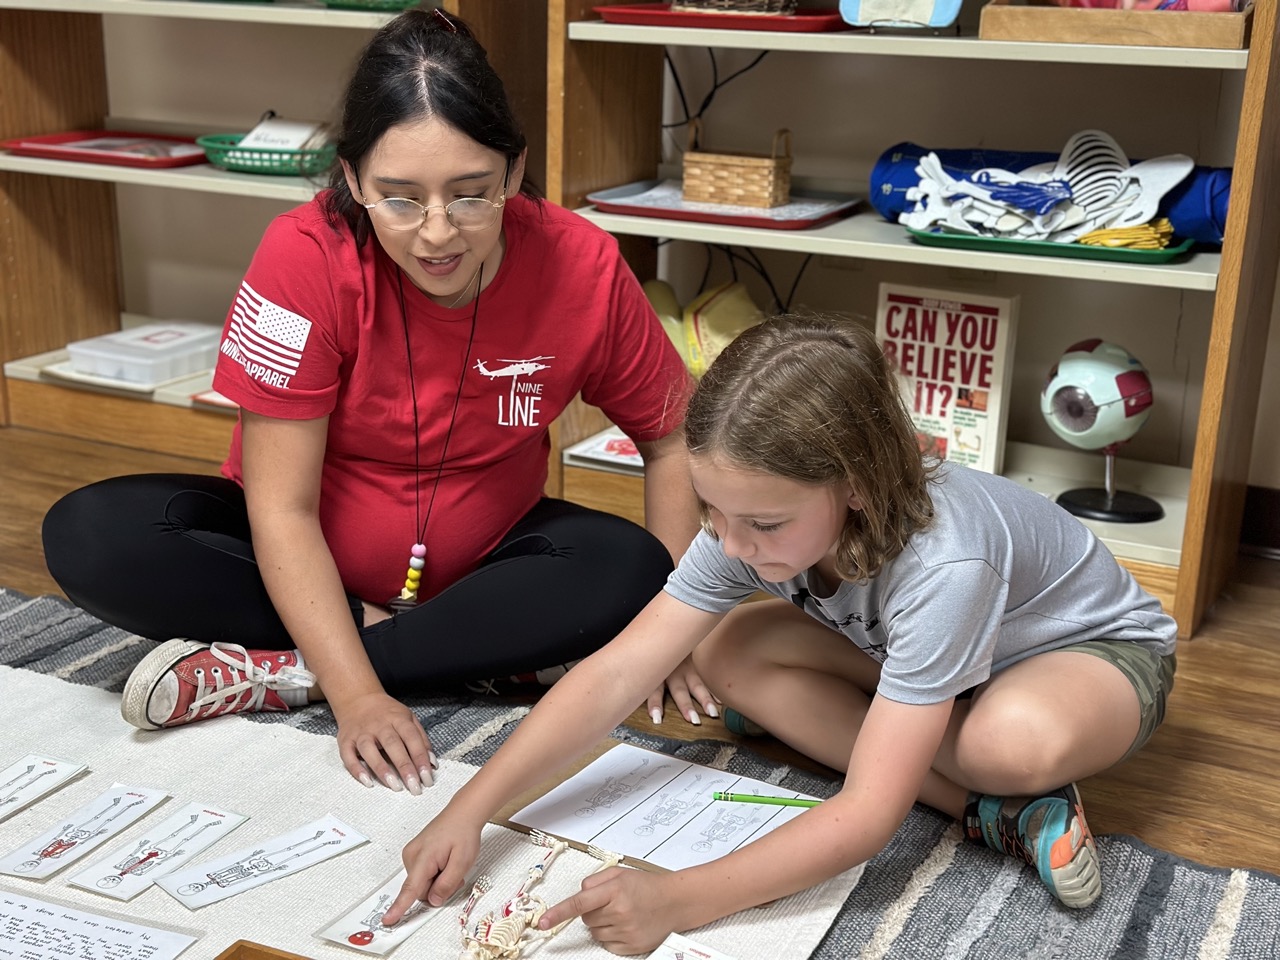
x: 169, y: 555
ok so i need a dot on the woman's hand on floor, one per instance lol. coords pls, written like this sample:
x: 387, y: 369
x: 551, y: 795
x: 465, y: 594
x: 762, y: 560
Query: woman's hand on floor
x: 379, y: 739
x: 688, y: 691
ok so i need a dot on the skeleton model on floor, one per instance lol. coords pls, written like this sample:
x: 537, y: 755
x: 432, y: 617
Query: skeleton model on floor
x: 26, y: 778
x: 503, y: 935
x: 147, y: 856
x: 71, y: 835
x: 256, y: 864
x: 614, y: 789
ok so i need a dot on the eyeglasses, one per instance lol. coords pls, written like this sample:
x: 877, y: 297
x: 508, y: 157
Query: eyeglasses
x: 465, y: 213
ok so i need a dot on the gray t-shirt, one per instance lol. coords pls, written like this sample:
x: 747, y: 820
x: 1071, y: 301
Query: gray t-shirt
x: 1001, y: 574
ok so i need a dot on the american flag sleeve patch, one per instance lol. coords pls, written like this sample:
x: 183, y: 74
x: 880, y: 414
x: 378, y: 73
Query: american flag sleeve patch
x: 265, y: 338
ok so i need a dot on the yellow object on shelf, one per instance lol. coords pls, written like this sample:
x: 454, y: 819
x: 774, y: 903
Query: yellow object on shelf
x: 1155, y: 235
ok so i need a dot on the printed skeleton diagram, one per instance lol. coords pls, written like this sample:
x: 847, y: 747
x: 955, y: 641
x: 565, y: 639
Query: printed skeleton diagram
x: 146, y: 856
x: 371, y: 925
x: 256, y: 864
x: 614, y: 789
x: 12, y: 795
x: 72, y: 835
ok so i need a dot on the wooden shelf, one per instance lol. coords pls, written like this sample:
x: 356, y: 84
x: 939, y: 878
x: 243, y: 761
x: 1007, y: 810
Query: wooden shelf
x: 897, y: 45
x: 596, y: 144
x: 296, y: 12
x: 164, y: 421
x: 202, y: 177
x: 868, y: 236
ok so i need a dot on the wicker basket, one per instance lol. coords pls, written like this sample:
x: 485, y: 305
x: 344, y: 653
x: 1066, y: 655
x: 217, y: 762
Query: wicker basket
x: 742, y: 179
x: 770, y: 7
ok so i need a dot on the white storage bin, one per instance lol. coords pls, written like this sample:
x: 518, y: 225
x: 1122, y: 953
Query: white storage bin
x: 148, y: 354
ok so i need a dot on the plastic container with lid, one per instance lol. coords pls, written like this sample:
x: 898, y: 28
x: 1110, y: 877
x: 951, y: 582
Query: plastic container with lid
x: 148, y: 354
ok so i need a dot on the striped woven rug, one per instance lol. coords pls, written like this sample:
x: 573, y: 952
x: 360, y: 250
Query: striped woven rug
x: 927, y: 895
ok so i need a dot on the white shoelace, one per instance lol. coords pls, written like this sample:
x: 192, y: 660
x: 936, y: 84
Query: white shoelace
x: 246, y: 677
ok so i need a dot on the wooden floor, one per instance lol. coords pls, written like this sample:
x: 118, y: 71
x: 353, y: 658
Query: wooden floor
x: 1206, y: 787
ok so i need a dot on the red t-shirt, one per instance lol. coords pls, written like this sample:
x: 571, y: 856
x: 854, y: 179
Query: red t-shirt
x: 316, y: 330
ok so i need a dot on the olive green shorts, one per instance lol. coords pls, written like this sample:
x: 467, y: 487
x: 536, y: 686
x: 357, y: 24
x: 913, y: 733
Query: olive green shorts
x: 1150, y: 674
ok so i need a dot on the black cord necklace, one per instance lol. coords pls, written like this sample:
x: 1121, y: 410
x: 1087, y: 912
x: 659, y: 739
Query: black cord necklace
x: 417, y: 555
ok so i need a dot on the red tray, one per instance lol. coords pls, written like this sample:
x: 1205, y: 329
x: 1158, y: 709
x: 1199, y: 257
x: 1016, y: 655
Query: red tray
x: 661, y: 15
x: 661, y: 198
x: 151, y: 150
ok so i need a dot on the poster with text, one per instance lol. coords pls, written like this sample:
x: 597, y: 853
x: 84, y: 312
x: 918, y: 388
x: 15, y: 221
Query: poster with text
x: 953, y: 353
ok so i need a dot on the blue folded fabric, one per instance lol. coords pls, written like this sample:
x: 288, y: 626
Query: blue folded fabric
x: 1197, y: 207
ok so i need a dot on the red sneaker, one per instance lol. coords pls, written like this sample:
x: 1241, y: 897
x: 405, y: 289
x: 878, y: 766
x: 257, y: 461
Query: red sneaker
x: 182, y: 681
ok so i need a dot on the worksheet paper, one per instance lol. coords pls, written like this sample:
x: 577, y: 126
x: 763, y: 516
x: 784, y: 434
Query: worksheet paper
x: 32, y: 929
x: 657, y: 808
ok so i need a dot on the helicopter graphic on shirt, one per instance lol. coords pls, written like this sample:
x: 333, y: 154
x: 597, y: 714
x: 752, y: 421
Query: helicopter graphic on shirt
x: 521, y: 406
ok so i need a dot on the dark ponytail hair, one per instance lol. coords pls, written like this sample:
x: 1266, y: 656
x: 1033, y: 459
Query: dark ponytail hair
x: 424, y: 63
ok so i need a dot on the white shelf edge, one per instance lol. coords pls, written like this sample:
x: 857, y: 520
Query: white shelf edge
x: 960, y: 48
x: 297, y: 12
x: 202, y: 177
x: 867, y: 236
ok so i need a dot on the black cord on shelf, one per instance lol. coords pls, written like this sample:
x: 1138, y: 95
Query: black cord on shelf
x: 716, y: 85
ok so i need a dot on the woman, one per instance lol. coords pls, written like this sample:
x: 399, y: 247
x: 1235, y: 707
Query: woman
x: 398, y: 349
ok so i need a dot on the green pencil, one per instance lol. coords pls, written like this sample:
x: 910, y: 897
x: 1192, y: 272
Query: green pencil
x: 756, y: 798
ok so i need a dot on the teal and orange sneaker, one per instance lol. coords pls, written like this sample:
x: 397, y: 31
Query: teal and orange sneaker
x: 1049, y: 832
x: 735, y: 722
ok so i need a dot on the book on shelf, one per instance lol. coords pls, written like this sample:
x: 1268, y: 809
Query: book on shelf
x: 953, y: 352
x: 609, y: 449
x: 213, y: 400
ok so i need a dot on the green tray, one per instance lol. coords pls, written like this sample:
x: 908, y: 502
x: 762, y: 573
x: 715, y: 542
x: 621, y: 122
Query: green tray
x: 223, y: 151
x: 1043, y: 248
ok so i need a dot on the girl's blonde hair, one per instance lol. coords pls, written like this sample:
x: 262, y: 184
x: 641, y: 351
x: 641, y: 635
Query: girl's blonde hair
x: 813, y: 400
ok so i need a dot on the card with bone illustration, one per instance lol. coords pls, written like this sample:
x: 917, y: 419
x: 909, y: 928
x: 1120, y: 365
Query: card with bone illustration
x: 80, y: 832
x: 201, y: 884
x: 135, y: 865
x: 32, y: 777
x: 360, y: 928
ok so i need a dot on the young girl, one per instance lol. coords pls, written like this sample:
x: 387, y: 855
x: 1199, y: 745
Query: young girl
x: 941, y: 634
x: 398, y: 348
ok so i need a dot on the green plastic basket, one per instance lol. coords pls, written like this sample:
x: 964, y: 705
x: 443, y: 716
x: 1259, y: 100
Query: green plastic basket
x: 224, y: 150
x: 390, y: 6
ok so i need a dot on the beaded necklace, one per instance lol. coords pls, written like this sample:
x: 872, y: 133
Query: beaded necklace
x: 408, y: 597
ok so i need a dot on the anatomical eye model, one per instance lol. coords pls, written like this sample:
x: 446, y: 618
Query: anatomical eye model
x: 1096, y: 397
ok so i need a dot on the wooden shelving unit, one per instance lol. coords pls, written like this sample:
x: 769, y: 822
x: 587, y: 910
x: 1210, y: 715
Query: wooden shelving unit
x: 595, y: 67
x: 59, y: 246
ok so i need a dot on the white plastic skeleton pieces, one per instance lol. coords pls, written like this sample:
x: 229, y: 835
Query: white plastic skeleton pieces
x: 1091, y: 187
x: 504, y: 934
